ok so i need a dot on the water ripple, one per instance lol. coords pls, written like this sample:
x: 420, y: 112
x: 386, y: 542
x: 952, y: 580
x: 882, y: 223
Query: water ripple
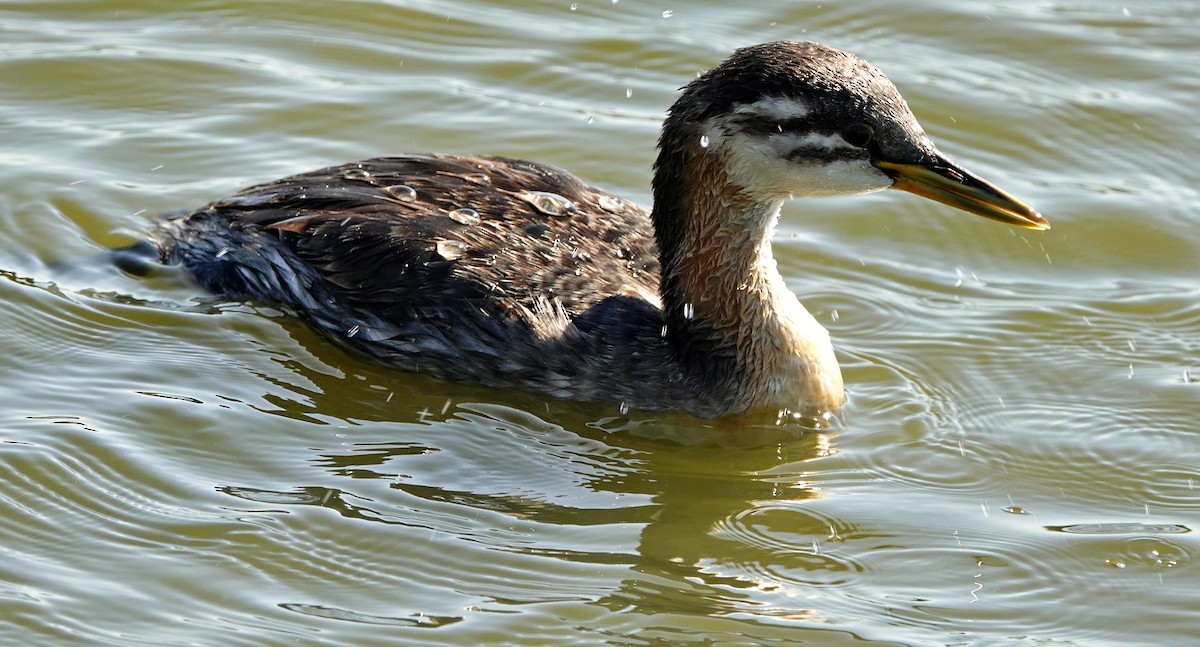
x: 1016, y: 464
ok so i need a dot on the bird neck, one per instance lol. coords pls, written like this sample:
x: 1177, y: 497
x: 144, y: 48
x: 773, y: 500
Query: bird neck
x: 729, y: 313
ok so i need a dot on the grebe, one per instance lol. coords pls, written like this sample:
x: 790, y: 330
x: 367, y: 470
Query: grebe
x: 517, y: 274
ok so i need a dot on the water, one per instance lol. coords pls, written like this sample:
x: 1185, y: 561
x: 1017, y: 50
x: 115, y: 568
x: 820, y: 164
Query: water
x: 1019, y: 462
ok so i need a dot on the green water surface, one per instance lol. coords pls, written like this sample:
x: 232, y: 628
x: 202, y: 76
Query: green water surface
x: 1019, y: 462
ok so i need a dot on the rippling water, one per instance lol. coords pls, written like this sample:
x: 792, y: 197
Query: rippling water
x: 1019, y: 463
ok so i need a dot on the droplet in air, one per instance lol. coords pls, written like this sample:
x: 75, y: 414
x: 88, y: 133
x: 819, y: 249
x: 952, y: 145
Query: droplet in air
x: 451, y: 249
x: 668, y: 13
x: 353, y: 330
x: 704, y: 141
x: 628, y: 92
x: 465, y: 216
x: 689, y: 310
x: 551, y: 204
x: 574, y: 6
x: 624, y: 408
x: 401, y: 192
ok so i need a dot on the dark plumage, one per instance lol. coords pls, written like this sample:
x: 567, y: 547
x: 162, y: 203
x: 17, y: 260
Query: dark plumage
x: 517, y: 274
x: 544, y: 289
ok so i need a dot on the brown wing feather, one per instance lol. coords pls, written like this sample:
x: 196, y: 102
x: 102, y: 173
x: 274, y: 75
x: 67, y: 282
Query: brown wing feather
x: 381, y: 230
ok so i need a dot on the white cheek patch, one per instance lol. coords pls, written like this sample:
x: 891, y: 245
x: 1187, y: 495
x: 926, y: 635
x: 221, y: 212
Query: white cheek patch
x: 784, y: 144
x: 773, y: 109
x: 851, y: 177
x: 765, y: 167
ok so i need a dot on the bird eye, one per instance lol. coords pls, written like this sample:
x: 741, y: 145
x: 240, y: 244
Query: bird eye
x: 858, y: 135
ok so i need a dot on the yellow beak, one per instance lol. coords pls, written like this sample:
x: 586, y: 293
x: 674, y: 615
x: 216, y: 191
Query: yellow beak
x: 946, y: 182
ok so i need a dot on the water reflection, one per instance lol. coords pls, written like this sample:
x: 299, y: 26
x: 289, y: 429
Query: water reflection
x: 693, y: 528
x: 502, y: 505
x: 729, y: 538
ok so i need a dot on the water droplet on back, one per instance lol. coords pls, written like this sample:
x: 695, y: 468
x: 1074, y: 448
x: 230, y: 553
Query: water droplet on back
x: 401, y: 192
x: 357, y: 174
x: 451, y: 249
x: 465, y: 216
x: 611, y: 204
x: 551, y: 204
x: 482, y: 179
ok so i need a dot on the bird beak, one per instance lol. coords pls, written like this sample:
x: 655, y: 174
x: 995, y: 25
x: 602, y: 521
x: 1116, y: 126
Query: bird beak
x: 948, y: 183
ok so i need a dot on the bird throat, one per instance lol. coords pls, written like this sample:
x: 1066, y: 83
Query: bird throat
x: 729, y: 305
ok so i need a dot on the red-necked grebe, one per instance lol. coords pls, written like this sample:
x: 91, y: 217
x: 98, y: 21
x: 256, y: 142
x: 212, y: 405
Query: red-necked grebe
x: 517, y: 274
